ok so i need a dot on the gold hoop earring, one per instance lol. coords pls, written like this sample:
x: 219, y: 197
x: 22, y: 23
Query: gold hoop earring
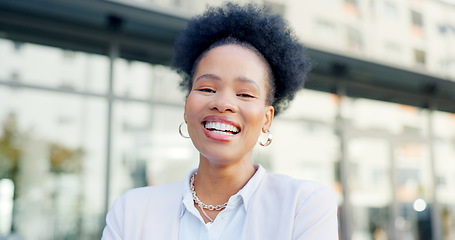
x: 268, y: 141
x: 180, y: 130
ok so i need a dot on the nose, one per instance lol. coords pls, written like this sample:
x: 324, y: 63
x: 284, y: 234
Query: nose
x: 224, y: 102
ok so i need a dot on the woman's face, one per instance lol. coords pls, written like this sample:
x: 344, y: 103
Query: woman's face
x: 227, y: 106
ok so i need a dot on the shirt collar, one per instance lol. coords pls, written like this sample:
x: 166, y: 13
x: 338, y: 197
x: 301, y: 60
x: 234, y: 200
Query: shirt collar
x: 187, y: 200
x: 251, y: 186
x: 246, y: 193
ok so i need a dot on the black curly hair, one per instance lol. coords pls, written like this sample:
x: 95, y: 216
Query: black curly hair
x: 255, y: 28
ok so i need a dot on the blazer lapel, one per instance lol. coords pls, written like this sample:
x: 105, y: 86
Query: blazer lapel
x: 165, y: 211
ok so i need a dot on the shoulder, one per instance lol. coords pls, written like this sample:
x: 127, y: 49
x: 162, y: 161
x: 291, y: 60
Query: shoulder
x: 293, y: 209
x: 300, y: 194
x: 311, y: 206
x: 156, y: 207
x: 139, y: 203
x: 283, y: 184
x: 144, y: 195
x: 153, y: 190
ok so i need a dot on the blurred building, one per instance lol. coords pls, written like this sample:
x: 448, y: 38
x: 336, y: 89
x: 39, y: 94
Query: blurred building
x: 89, y: 109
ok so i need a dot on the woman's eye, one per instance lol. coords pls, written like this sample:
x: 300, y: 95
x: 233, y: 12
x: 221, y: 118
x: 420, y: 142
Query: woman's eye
x: 208, y: 90
x: 246, y: 95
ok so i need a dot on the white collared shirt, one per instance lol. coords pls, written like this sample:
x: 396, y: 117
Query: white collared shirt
x: 277, y: 207
x: 229, y: 222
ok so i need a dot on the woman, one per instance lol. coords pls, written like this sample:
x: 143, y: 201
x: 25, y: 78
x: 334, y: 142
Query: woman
x: 241, y: 66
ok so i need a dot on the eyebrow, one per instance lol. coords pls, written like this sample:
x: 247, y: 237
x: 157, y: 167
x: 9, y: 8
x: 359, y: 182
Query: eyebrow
x: 239, y: 79
x: 208, y: 75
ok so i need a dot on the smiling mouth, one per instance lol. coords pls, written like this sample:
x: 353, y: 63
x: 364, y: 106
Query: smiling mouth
x: 221, y: 128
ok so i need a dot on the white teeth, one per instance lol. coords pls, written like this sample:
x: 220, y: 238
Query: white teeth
x: 221, y: 127
x: 221, y: 132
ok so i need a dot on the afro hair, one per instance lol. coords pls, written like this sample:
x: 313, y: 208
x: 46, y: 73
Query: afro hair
x: 256, y: 26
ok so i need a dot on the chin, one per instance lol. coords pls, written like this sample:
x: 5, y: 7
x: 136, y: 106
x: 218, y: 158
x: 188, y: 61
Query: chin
x: 222, y: 157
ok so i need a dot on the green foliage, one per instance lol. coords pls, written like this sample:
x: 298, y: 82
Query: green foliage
x: 10, y: 152
x: 65, y: 160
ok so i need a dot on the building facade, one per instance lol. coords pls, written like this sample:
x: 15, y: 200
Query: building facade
x: 83, y: 122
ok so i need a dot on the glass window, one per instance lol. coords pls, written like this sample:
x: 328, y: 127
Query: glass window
x: 353, y: 2
x: 354, y: 39
x: 324, y: 30
x: 147, y: 147
x: 53, y: 67
x: 276, y: 6
x: 413, y: 191
x: 6, y: 200
x: 391, y: 10
x: 419, y: 56
x: 394, y: 118
x: 52, y: 152
x: 444, y: 152
x: 393, y: 52
x: 312, y: 106
x: 139, y: 80
x: 417, y: 18
x: 132, y: 79
x: 369, y: 165
x: 445, y: 185
x: 352, y: 7
x: 446, y: 29
x: 444, y: 125
x: 447, y: 67
x: 166, y: 86
x: 417, y: 24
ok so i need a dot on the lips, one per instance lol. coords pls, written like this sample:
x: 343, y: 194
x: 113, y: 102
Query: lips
x: 220, y: 128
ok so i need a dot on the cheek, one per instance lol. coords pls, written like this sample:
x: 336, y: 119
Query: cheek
x: 192, y: 106
x: 256, y: 116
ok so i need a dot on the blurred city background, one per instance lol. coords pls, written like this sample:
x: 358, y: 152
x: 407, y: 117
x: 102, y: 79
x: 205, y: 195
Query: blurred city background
x: 89, y: 108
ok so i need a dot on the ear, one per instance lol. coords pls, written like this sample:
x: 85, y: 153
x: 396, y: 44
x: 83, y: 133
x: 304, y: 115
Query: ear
x: 269, y: 114
x: 184, y: 113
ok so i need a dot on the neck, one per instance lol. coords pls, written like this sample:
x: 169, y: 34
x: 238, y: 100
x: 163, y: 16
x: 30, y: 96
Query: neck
x: 216, y: 184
